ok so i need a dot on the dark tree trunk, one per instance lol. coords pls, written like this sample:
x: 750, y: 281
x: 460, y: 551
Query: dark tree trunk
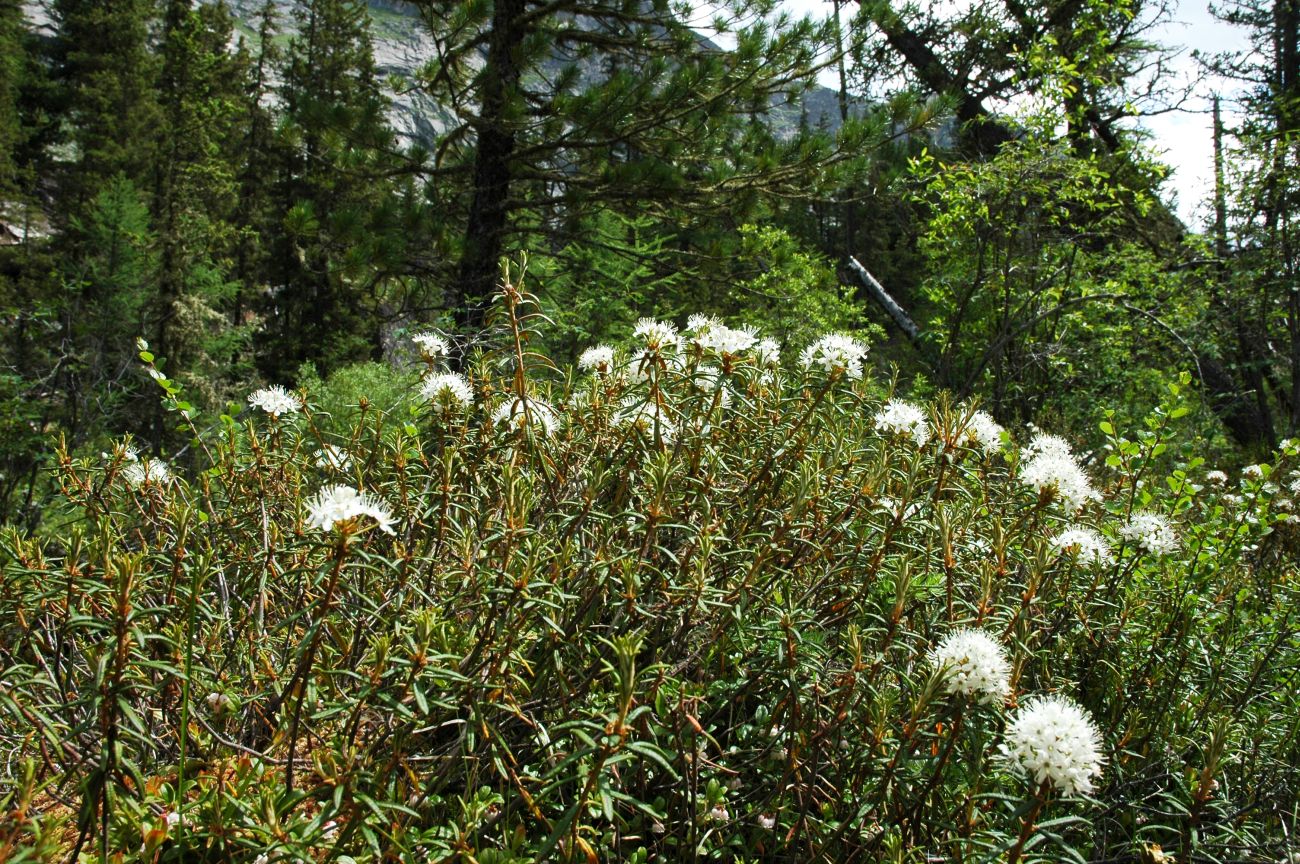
x: 1247, y: 423
x: 493, y: 170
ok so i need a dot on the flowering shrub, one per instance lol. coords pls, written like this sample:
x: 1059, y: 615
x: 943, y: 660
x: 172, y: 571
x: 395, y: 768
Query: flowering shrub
x: 607, y: 613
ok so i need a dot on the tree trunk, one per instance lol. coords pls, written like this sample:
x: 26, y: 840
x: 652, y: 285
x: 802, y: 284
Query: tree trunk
x: 493, y: 169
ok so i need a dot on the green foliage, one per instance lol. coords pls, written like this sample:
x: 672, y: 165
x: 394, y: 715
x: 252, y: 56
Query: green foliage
x: 1037, y: 294
x: 108, y: 289
x: 12, y: 65
x: 796, y: 294
x: 689, y: 619
x: 348, y: 394
x: 108, y: 74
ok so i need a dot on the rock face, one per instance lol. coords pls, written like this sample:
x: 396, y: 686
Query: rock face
x: 402, y: 45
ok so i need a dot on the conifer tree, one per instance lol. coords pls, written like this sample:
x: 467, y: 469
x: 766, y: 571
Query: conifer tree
x: 12, y: 53
x: 333, y: 186
x: 195, y: 190
x: 108, y: 75
x: 1255, y: 291
x: 615, y: 105
x: 255, y: 215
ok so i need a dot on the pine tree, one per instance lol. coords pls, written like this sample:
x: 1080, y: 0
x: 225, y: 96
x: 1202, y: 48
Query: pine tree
x: 670, y: 126
x: 108, y: 75
x: 337, y: 199
x: 195, y: 191
x: 12, y: 57
x: 1255, y: 294
x: 255, y: 215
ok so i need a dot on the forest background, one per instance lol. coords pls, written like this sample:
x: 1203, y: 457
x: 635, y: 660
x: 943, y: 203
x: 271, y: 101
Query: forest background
x: 246, y: 188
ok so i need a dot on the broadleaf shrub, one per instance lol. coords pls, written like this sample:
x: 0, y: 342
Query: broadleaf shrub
x: 682, y: 604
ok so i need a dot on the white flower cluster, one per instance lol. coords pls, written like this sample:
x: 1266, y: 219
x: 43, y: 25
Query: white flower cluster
x: 139, y: 472
x: 219, y: 703
x: 712, y: 335
x: 1253, y: 472
x: 1051, y: 740
x: 1088, y: 546
x: 645, y: 416
x: 598, y: 358
x: 836, y: 352
x: 432, y: 345
x: 710, y: 380
x: 985, y: 432
x: 975, y: 665
x: 275, y: 401
x: 903, y: 418
x: 1216, y: 477
x: 335, y: 504
x: 517, y: 413
x: 658, y: 336
x: 449, y: 390
x: 768, y: 352
x: 331, y: 456
x: 1049, y: 466
x: 1151, y: 531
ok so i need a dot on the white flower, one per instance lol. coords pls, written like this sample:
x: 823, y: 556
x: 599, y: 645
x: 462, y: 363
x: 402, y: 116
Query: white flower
x: 710, y: 380
x: 262, y: 859
x: 1051, y: 740
x: 700, y: 322
x: 218, y: 702
x: 719, y: 814
x: 646, y: 416
x: 768, y: 352
x: 903, y: 418
x: 1151, y: 531
x: 599, y: 358
x: 712, y: 335
x: 330, y: 456
x: 984, y: 431
x: 1254, y: 472
x: 1048, y: 465
x: 766, y: 821
x: 146, y: 471
x: 432, y: 345
x: 335, y: 504
x: 517, y: 413
x: 975, y: 665
x: 448, y: 389
x: 1218, y: 478
x: 275, y: 401
x: 1088, y: 546
x: 836, y: 352
x: 657, y: 335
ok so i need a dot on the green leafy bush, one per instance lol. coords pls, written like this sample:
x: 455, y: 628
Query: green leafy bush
x: 684, y: 602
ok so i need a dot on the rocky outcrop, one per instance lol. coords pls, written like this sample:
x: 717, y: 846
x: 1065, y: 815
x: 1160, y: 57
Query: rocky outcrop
x: 402, y: 46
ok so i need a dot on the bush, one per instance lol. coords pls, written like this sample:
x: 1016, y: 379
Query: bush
x: 678, y: 604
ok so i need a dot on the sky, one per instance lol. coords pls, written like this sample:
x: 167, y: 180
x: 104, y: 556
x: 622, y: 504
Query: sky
x: 1182, y: 139
x: 1185, y: 139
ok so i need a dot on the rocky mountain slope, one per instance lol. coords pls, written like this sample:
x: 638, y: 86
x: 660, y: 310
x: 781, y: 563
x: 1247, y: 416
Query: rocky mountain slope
x: 402, y: 45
